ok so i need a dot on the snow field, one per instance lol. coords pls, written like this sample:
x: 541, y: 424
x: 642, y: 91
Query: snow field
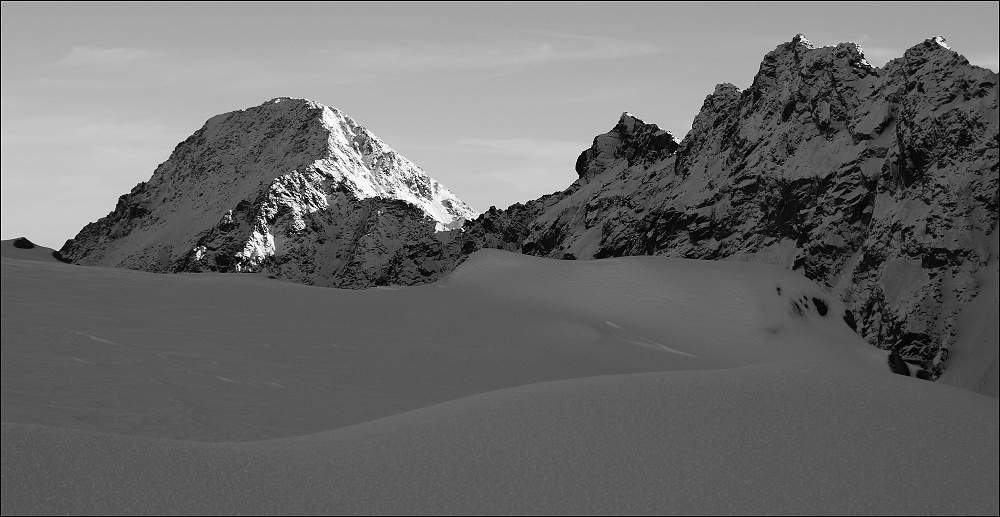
x: 515, y: 385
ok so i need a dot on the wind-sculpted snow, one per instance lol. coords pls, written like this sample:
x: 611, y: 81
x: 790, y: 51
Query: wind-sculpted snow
x: 501, y: 320
x: 514, y: 385
x: 879, y: 183
x: 290, y: 187
x: 786, y: 438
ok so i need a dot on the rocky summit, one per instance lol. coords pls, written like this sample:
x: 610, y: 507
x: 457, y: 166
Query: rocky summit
x: 880, y: 183
x: 291, y: 188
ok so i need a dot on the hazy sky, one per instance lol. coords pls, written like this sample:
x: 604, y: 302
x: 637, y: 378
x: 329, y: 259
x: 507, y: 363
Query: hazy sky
x: 494, y: 100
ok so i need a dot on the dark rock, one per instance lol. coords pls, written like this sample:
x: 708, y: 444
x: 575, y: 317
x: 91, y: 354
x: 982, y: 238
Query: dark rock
x: 23, y: 243
x: 897, y: 365
x: 849, y: 319
x: 821, y: 306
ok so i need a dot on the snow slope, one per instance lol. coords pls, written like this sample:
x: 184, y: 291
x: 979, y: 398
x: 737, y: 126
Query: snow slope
x: 975, y: 358
x: 514, y: 385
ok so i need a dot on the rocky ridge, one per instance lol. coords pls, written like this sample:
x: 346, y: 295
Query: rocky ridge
x: 292, y: 188
x: 880, y: 183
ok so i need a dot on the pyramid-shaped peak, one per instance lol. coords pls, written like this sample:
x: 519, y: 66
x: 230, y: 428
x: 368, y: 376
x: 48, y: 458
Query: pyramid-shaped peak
x: 262, y: 184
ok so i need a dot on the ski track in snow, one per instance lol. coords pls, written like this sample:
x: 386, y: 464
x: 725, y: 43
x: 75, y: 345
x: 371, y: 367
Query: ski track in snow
x: 95, y: 338
x: 642, y: 341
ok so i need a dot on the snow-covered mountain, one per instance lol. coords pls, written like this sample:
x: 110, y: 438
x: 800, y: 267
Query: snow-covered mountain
x: 290, y: 187
x: 880, y: 183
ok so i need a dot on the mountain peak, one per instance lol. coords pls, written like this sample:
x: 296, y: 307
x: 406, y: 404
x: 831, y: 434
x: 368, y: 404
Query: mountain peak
x: 297, y: 101
x: 927, y: 49
x: 800, y: 41
x: 631, y: 139
x: 940, y: 41
x: 628, y: 122
x: 279, y: 100
x: 268, y: 187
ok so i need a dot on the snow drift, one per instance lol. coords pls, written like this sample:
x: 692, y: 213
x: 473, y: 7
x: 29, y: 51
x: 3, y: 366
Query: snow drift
x: 514, y: 385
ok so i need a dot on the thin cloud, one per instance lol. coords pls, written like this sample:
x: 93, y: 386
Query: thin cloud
x: 99, y: 57
x: 76, y: 129
x: 622, y: 91
x: 524, y: 52
x: 123, y: 69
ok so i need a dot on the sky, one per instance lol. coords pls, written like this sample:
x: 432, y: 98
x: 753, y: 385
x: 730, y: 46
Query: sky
x: 494, y: 100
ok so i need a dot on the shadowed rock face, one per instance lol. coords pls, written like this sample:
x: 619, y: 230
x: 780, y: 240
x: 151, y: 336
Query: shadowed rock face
x: 292, y: 188
x: 880, y: 183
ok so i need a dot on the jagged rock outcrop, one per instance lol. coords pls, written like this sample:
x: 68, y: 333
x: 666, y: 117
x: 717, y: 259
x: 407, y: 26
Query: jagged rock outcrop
x: 880, y: 183
x: 290, y: 187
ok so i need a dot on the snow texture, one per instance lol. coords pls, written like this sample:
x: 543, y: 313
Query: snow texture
x: 514, y: 385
